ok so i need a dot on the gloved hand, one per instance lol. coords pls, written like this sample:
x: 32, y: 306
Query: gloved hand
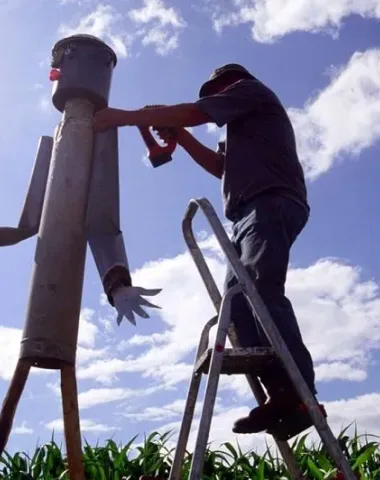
x: 128, y: 300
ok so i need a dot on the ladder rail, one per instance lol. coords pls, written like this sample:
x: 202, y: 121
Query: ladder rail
x: 258, y: 307
x: 191, y: 400
x: 215, y: 367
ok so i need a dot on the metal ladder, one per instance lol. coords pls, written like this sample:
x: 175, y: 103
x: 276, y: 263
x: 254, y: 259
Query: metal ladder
x: 219, y: 360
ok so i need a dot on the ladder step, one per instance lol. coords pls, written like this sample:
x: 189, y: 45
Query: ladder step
x: 238, y: 360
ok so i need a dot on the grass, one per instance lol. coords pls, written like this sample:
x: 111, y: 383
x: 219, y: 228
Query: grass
x: 153, y: 457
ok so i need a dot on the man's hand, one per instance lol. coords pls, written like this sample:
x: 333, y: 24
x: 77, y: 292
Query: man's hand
x: 108, y: 118
x: 128, y: 301
x: 168, y: 134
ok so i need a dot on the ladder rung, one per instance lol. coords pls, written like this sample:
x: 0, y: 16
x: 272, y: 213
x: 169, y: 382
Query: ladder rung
x: 238, y: 360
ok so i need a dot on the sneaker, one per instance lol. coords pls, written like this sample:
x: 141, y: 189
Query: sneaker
x: 265, y: 416
x: 294, y: 422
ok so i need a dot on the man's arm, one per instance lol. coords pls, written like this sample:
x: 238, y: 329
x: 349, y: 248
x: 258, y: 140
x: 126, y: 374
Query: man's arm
x: 181, y: 115
x: 208, y: 159
x: 177, y: 116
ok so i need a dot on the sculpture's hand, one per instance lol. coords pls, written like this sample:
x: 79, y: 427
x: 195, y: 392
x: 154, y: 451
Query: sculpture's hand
x: 128, y: 301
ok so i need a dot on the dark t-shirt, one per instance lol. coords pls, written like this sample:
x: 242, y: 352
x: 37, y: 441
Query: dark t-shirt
x: 260, y: 154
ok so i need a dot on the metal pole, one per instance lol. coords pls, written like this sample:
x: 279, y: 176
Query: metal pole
x: 71, y: 422
x: 10, y: 403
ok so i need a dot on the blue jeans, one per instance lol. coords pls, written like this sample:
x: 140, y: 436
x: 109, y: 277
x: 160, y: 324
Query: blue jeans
x: 263, y: 234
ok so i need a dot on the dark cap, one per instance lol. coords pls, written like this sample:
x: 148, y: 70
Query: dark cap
x: 219, y: 72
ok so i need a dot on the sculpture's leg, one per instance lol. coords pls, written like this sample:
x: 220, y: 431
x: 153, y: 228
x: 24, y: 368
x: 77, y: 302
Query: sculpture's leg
x: 11, y: 400
x: 71, y: 422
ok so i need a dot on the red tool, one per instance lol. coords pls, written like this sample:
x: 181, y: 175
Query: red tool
x: 157, y: 154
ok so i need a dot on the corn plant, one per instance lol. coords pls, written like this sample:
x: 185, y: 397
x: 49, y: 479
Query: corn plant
x: 228, y: 462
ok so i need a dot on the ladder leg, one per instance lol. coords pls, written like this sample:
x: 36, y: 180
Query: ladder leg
x: 175, y: 472
x: 212, y: 385
x: 261, y: 312
x: 191, y: 400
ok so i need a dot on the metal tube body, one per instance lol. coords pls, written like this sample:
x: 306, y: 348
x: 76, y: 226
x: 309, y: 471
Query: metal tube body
x: 51, y: 329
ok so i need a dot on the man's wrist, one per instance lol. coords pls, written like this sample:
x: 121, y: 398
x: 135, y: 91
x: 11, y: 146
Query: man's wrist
x: 183, y: 136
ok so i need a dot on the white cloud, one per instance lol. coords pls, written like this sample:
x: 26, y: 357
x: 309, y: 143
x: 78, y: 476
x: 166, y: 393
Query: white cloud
x: 272, y: 19
x: 87, y: 329
x: 344, y: 118
x: 164, y: 41
x: 156, y: 10
x: 10, y: 339
x: 44, y: 104
x: 332, y: 297
x: 100, y: 396
x: 85, y: 355
x: 337, y: 370
x: 167, y: 412
x: 138, y: 340
x: 328, y: 296
x: 213, y: 130
x: 103, y: 22
x: 22, y: 429
x: 86, y: 425
x: 161, y: 25
x: 104, y: 371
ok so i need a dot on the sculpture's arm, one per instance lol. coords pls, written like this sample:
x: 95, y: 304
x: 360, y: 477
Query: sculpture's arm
x: 104, y: 235
x: 103, y: 217
x: 31, y: 213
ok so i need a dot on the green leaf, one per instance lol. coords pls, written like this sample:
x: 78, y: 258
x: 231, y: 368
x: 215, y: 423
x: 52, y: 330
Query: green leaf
x: 363, y: 457
x: 314, y: 469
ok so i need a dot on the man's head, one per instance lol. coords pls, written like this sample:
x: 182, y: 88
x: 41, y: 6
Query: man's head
x: 223, y: 77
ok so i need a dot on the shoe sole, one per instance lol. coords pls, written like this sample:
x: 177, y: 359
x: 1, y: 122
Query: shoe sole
x: 286, y: 427
x: 294, y: 424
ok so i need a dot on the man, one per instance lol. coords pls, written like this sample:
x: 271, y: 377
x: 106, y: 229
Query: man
x: 264, y: 196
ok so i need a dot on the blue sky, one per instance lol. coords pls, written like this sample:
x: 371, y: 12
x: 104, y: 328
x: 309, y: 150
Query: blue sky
x: 323, y: 60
